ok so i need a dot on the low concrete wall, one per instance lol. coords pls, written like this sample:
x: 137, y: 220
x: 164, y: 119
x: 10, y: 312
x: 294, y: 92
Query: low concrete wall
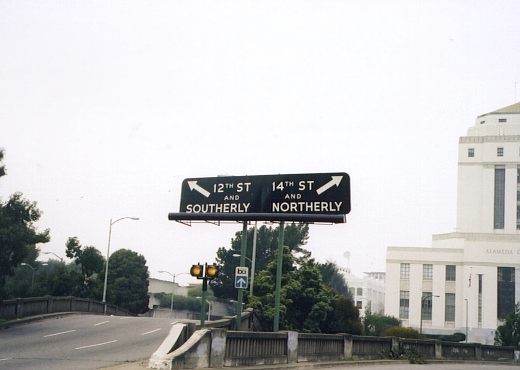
x: 19, y: 308
x: 217, y: 348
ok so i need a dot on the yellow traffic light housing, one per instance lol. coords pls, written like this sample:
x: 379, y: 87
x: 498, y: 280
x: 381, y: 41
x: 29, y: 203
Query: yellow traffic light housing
x: 197, y: 271
x: 211, y: 271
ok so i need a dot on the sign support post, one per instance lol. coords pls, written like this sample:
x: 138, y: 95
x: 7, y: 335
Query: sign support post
x: 240, y: 298
x: 279, y: 262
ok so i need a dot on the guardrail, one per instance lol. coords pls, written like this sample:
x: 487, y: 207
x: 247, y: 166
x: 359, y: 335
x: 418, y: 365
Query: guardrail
x: 218, y: 348
x: 11, y: 309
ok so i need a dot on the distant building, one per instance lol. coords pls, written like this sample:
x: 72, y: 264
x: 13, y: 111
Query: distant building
x: 163, y: 286
x: 468, y: 279
x: 368, y: 292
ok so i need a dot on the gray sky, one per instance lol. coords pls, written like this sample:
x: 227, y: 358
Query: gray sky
x: 106, y: 106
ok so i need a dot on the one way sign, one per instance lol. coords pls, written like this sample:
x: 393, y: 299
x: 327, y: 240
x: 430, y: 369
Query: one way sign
x: 241, y: 277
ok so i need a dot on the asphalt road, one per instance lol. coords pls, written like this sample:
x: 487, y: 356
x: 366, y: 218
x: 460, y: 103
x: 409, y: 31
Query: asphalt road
x: 81, y: 342
x: 428, y: 366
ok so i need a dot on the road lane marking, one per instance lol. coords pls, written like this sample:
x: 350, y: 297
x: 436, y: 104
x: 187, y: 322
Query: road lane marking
x: 173, y: 322
x: 63, y: 332
x: 96, y: 345
x: 5, y: 359
x: 150, y: 332
x: 101, y: 323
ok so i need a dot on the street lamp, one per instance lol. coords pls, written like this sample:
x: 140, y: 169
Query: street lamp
x: 466, y: 300
x: 32, y: 272
x: 60, y: 258
x: 236, y: 255
x: 108, y: 255
x: 173, y: 284
x: 423, y: 298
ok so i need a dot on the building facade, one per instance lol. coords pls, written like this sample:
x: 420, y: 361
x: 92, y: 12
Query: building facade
x: 469, y: 280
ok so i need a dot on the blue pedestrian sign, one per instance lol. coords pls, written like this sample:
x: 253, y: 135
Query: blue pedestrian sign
x: 241, y: 277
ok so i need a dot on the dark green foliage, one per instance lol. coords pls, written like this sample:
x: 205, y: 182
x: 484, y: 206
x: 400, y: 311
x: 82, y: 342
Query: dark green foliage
x: 295, y: 236
x: 179, y: 302
x: 128, y: 281
x: 401, y: 332
x: 343, y: 318
x: 18, y: 235
x: 91, y: 262
x: 376, y: 324
x: 334, y: 279
x: 508, y: 334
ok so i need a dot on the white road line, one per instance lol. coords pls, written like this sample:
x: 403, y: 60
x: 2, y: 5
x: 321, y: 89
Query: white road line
x: 5, y: 359
x: 63, y: 332
x: 97, y: 345
x: 101, y: 323
x: 173, y: 322
x: 125, y: 318
x: 150, y: 332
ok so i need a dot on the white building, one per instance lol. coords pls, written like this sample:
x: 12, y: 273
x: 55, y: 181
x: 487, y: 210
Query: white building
x: 468, y: 279
x: 368, y: 292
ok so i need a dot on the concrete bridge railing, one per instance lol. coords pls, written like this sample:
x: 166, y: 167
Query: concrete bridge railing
x: 11, y: 309
x: 217, y: 348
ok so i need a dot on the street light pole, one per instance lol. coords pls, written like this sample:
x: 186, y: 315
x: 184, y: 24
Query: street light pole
x: 173, y: 285
x: 61, y: 259
x: 465, y: 299
x: 108, y: 256
x: 32, y: 273
x: 422, y: 304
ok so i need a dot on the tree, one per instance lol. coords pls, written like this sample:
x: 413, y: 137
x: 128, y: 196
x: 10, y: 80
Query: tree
x: 128, y: 281
x: 18, y: 234
x: 508, y: 334
x: 306, y: 303
x: 295, y: 236
x: 88, y: 258
x: 343, y: 318
x: 90, y: 262
x: 334, y: 279
x: 376, y: 324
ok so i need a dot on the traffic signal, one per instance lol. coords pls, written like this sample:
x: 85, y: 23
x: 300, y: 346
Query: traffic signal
x: 211, y: 271
x: 197, y: 271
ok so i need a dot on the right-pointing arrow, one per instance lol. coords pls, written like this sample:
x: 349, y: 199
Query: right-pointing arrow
x: 335, y: 181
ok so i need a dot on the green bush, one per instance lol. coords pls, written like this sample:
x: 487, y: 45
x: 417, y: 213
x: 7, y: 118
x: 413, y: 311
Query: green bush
x: 401, y: 332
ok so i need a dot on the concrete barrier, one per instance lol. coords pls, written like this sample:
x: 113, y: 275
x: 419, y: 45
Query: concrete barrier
x: 217, y: 348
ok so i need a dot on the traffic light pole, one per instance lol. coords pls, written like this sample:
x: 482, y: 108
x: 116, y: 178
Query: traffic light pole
x: 279, y: 262
x: 203, y: 302
x: 243, y: 250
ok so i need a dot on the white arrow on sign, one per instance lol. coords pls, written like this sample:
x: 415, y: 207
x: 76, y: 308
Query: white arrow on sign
x: 194, y: 186
x: 335, y: 181
x: 241, y: 283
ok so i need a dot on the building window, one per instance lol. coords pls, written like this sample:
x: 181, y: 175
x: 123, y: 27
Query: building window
x: 500, y: 151
x: 471, y: 152
x: 405, y: 271
x: 404, y: 304
x: 352, y: 291
x: 500, y: 174
x: 359, y: 304
x: 449, y: 308
x: 427, y: 272
x: 426, y: 303
x: 505, y: 291
x: 502, y: 120
x: 482, y: 122
x: 451, y: 272
x: 359, y: 291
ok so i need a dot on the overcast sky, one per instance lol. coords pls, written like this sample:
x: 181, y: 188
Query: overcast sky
x: 106, y: 106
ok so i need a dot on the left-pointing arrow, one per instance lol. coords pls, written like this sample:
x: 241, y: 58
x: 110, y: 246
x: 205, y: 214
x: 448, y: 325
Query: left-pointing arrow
x: 194, y: 186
